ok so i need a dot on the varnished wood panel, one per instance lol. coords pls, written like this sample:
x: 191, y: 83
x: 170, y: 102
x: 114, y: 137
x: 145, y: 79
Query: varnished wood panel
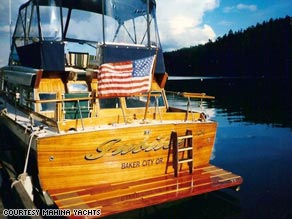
x: 51, y: 85
x: 113, y: 198
x: 130, y: 153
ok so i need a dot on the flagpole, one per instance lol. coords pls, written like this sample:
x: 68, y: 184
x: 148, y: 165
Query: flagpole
x: 149, y: 46
x: 152, y: 76
x: 10, y: 31
x: 148, y: 24
x: 10, y: 21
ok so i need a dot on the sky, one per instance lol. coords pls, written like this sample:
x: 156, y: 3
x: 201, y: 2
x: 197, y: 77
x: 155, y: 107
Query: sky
x: 181, y: 23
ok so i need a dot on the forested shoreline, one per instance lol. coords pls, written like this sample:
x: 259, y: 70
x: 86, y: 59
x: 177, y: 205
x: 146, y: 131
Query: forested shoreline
x: 264, y: 51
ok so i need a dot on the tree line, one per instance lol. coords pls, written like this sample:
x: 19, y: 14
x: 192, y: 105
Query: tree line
x: 264, y: 50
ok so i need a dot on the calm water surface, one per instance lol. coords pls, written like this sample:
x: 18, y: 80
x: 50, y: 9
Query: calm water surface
x: 254, y: 140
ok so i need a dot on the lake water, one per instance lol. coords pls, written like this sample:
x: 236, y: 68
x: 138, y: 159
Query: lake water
x: 254, y: 140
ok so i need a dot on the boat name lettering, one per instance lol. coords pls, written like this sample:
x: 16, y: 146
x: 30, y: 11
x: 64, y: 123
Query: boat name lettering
x: 143, y: 163
x: 116, y: 147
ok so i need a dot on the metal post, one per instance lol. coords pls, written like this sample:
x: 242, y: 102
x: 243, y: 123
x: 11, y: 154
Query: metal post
x: 148, y: 24
x: 10, y: 34
x: 103, y: 22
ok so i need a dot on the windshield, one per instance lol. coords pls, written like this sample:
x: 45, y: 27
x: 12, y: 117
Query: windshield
x: 85, y: 26
x: 50, y: 22
x: 117, y: 28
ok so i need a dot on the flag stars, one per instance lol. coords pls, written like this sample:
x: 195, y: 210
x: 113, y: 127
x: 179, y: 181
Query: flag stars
x: 142, y: 67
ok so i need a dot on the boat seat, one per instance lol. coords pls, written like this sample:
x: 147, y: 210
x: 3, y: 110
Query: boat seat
x: 78, y: 60
x: 74, y: 108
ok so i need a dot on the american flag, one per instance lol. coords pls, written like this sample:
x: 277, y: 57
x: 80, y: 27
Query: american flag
x: 120, y: 79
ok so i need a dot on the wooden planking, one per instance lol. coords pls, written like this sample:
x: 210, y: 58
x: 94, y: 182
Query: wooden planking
x: 62, y: 163
x: 115, y: 116
x: 51, y: 85
x: 124, y: 196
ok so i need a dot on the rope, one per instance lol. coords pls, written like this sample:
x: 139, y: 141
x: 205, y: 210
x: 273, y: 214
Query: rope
x: 23, y: 177
x: 29, y: 146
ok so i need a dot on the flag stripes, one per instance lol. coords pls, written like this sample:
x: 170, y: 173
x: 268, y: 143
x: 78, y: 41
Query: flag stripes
x: 125, y: 78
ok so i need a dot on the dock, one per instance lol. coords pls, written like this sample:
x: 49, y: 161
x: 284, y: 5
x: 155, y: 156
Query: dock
x: 116, y: 198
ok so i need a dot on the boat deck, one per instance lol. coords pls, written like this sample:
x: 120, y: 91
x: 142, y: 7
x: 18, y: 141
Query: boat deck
x: 24, y: 120
x: 125, y: 196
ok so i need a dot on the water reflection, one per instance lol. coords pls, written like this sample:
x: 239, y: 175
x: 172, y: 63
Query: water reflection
x: 254, y: 140
x: 245, y: 100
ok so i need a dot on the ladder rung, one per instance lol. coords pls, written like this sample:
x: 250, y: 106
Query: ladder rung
x: 185, y: 161
x: 185, y: 149
x: 184, y: 137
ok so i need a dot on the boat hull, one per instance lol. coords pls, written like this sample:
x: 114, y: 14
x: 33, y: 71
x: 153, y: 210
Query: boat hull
x: 125, y: 166
x: 116, y: 155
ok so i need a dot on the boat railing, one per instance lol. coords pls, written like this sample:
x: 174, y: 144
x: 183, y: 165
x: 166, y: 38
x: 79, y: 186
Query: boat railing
x: 80, y: 106
x: 79, y: 101
x: 33, y: 116
x: 189, y: 96
x: 73, y: 110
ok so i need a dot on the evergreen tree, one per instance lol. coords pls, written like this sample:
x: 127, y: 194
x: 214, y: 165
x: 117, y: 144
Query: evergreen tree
x: 264, y: 50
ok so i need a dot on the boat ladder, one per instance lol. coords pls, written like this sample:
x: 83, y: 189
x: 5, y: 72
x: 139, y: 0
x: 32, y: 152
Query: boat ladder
x: 179, y: 145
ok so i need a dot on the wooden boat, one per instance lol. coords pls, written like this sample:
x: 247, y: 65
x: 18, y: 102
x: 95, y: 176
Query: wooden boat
x: 83, y: 97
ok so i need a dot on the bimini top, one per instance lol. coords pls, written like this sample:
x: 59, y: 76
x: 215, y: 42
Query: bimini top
x: 110, y: 30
